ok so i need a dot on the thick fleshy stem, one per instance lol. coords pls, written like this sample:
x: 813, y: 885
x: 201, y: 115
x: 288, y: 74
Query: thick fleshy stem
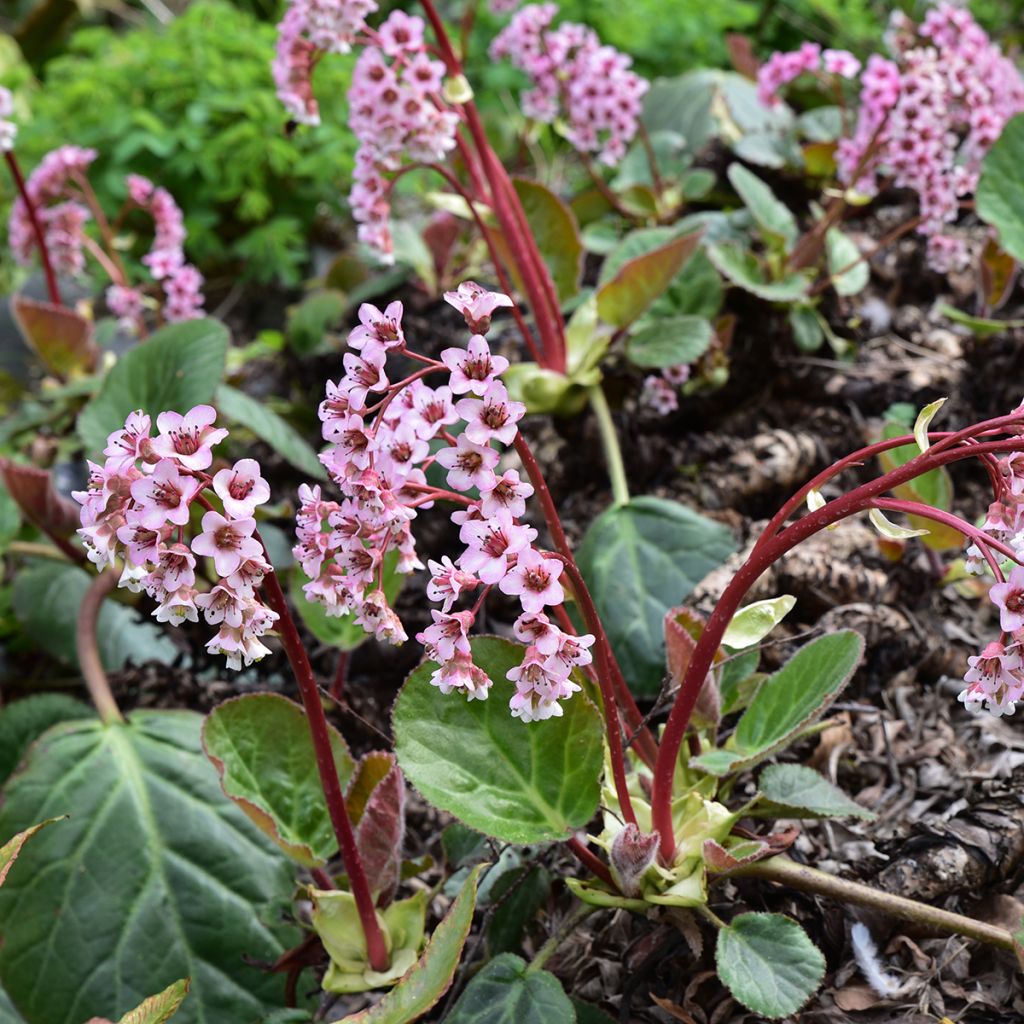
x: 37, y: 228
x: 590, y: 860
x: 376, y: 947
x: 88, y: 650
x: 765, y: 553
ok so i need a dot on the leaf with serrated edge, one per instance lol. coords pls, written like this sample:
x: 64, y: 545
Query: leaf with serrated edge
x: 751, y: 624
x: 640, y: 559
x: 890, y: 530
x: 10, y: 850
x: 261, y: 747
x: 742, y: 268
x: 151, y: 855
x: 772, y: 216
x: 507, y: 991
x: 160, y: 1008
x: 670, y: 341
x: 923, y: 422
x: 796, y: 791
x: 523, y: 782
x: 768, y: 963
x: 431, y: 976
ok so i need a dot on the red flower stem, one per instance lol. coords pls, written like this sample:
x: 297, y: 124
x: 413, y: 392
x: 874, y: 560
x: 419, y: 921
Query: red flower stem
x: 340, y: 675
x: 37, y: 228
x: 591, y: 861
x: 764, y: 554
x: 985, y: 542
x: 376, y: 947
x: 103, y: 224
x: 88, y: 651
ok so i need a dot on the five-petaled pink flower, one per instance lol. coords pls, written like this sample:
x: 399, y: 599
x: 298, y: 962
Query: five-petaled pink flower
x: 241, y: 488
x: 493, y: 417
x: 534, y: 580
x: 189, y: 439
x: 228, y: 542
x: 476, y: 304
x: 162, y: 497
x: 1009, y: 598
x: 473, y: 368
x: 469, y: 465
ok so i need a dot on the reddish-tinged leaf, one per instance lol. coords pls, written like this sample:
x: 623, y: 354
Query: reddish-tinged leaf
x: 36, y: 496
x: 370, y: 769
x: 719, y: 859
x: 741, y: 54
x: 10, y: 850
x: 59, y: 336
x: 640, y: 281
x: 439, y: 236
x: 380, y: 832
x: 683, y: 628
x: 997, y: 274
x: 160, y: 1008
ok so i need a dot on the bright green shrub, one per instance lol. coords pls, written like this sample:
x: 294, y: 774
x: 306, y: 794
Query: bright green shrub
x: 192, y: 106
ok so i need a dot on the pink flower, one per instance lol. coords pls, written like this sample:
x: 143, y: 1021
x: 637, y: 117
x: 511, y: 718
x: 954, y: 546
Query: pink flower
x: 448, y: 635
x: 473, y: 368
x: 840, y: 62
x: 363, y: 374
x: 494, y: 417
x: 508, y: 494
x: 228, y: 542
x: 538, y: 689
x: 163, y: 497
x: 995, y: 681
x: 432, y: 409
x: 573, y: 652
x: 477, y: 305
x: 190, y: 438
x: 447, y: 582
x: 125, y: 446
x: 658, y: 396
x: 177, y: 564
x: 534, y: 580
x: 537, y: 630
x: 378, y: 331
x: 221, y: 604
x: 461, y: 674
x: 241, y: 488
x: 492, y: 543
x: 1009, y: 599
x: 376, y: 616
x: 400, y: 33
x: 469, y: 465
x: 142, y: 544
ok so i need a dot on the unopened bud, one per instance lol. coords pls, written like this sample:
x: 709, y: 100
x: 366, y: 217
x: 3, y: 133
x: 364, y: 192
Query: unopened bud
x: 632, y: 853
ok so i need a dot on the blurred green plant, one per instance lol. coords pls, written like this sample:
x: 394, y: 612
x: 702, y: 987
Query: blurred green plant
x: 192, y: 106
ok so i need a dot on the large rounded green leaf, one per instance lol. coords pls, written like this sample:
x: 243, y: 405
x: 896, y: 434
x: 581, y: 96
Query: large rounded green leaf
x: 177, y: 367
x: 261, y: 745
x: 768, y: 963
x: 640, y: 559
x: 523, y: 782
x: 506, y: 991
x: 1000, y: 193
x: 155, y: 876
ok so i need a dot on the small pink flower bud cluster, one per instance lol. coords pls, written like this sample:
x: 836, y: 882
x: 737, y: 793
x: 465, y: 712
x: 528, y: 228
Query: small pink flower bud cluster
x: 782, y: 68
x: 926, y: 118
x: 8, y: 129
x: 380, y: 449
x: 397, y: 113
x: 309, y: 29
x: 51, y: 190
x: 659, y: 393
x: 574, y: 78
x: 137, y: 505
x: 182, y: 283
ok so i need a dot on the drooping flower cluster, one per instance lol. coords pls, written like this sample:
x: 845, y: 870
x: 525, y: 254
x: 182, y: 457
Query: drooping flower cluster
x: 8, y: 129
x: 926, y: 118
x: 182, y: 283
x: 574, y: 78
x: 397, y: 113
x: 380, y: 449
x: 137, y: 506
x: 52, y: 190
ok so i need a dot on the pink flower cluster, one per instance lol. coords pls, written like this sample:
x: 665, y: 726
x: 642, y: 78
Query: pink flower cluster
x: 659, y: 393
x: 927, y: 117
x: 182, y: 283
x: 574, y: 78
x: 383, y: 436
x: 782, y: 68
x: 53, y: 193
x: 397, y: 113
x: 8, y: 129
x: 137, y: 506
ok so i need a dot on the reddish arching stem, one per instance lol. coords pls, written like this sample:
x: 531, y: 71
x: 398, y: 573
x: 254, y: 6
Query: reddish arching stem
x: 376, y: 947
x: 37, y: 228
x: 87, y: 649
x: 340, y: 675
x: 590, y: 860
x: 767, y: 551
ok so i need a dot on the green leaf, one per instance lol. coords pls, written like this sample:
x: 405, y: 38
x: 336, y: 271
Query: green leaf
x: 639, y: 560
x: 432, y: 974
x: 768, y: 963
x: 807, y: 330
x: 518, y: 897
x: 587, y: 1013
x: 160, y: 1008
x: 25, y: 720
x: 671, y: 342
x: 8, y: 1012
x: 554, y: 228
x: 10, y: 850
x: 696, y: 291
x: 176, y: 368
x: 796, y: 791
x: 119, y: 900
x: 523, y: 782
x: 923, y: 422
x: 641, y: 280
x: 750, y: 625
x: 738, y: 680
x: 463, y: 846
x: 311, y: 319
x: 999, y: 197
x: 261, y: 747
x: 850, y: 272
x: 772, y: 216
x: 789, y: 700
x: 743, y: 269
x: 506, y: 991
x: 341, y: 631
x: 271, y: 428
x: 46, y: 600
x: 983, y: 327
